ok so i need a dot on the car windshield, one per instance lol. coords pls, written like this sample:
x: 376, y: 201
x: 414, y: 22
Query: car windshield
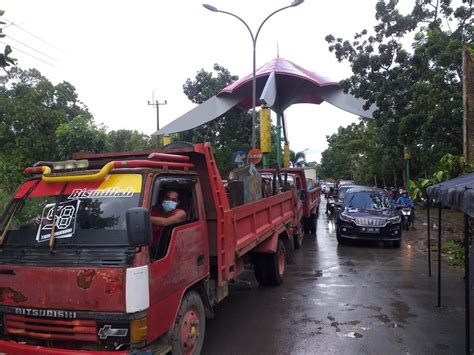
x: 78, y: 213
x: 342, y: 191
x: 368, y: 200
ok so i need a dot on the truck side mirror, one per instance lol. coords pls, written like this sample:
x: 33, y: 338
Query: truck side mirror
x: 138, y: 227
x: 302, y: 195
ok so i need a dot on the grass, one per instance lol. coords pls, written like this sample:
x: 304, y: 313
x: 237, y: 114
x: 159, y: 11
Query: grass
x: 449, y: 215
x: 453, y: 252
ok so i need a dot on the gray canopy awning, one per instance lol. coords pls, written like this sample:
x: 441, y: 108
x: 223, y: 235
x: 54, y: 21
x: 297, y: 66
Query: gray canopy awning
x: 456, y: 193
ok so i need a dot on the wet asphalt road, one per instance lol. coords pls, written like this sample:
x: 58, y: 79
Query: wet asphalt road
x: 349, y: 299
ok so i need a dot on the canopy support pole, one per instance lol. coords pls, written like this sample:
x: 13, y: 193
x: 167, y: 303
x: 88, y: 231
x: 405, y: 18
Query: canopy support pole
x: 278, y: 139
x: 439, y: 254
x: 429, y: 236
x: 467, y: 307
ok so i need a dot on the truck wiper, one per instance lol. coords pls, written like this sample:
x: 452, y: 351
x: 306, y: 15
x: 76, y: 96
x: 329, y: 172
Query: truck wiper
x: 9, y: 214
x: 53, y: 225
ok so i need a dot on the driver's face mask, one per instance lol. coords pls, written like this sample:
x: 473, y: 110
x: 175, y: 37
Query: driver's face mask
x: 168, y: 205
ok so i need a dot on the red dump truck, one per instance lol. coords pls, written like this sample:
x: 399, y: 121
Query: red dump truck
x: 79, y: 272
x: 307, y: 195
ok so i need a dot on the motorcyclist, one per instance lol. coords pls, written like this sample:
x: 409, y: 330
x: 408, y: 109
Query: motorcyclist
x: 393, y: 194
x: 330, y: 193
x: 405, y: 200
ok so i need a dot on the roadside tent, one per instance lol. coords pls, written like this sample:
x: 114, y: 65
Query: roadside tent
x: 457, y: 193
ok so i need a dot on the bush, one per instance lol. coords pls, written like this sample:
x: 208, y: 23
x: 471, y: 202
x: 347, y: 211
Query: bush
x: 454, y: 252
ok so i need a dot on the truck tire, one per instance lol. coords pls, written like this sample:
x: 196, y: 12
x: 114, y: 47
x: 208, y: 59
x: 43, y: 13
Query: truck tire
x: 298, y: 237
x: 312, y: 223
x: 260, y: 268
x: 189, y: 328
x: 306, y: 225
x: 276, y: 265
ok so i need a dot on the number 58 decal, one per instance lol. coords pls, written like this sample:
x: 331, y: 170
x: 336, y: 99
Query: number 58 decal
x: 65, y: 222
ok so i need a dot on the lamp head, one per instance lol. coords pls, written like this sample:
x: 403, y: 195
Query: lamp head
x: 296, y: 3
x: 213, y: 8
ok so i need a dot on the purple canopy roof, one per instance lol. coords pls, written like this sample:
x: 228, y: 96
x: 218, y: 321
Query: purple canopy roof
x: 294, y: 83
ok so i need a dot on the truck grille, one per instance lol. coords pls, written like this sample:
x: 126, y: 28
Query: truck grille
x: 51, y: 329
x: 370, y: 222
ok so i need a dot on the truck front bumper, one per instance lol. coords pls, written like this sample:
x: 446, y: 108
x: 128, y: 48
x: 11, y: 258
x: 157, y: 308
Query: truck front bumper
x: 12, y: 348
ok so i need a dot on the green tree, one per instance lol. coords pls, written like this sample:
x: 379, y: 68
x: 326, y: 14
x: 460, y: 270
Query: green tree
x: 228, y: 133
x: 123, y: 140
x: 80, y: 135
x: 31, y: 109
x: 418, y: 90
x: 5, y: 59
x: 297, y: 159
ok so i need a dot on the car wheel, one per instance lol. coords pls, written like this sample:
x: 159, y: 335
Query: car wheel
x: 340, y: 240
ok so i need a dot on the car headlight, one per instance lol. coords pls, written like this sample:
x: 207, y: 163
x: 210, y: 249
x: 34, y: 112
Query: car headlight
x: 394, y: 220
x: 346, y: 218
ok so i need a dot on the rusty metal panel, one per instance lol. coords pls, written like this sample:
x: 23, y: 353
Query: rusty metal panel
x: 65, y: 288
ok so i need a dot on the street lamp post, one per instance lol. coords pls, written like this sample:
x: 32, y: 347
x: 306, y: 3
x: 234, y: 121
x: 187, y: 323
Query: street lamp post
x: 254, y: 43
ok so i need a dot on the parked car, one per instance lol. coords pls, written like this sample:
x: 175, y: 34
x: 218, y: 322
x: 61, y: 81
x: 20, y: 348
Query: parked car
x: 369, y: 214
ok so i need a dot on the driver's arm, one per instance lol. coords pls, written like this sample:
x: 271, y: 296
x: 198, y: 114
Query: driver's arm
x: 178, y: 217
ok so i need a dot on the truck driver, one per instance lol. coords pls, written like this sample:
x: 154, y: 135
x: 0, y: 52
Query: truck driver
x: 166, y: 213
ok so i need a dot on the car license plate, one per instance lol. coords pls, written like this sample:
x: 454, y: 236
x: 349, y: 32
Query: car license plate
x: 371, y: 230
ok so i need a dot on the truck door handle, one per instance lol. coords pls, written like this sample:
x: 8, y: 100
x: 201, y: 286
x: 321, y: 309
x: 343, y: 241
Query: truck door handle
x: 200, y: 260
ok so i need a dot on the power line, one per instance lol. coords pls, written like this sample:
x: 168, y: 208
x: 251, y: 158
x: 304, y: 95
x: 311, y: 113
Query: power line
x: 35, y: 36
x: 31, y: 55
x: 36, y: 50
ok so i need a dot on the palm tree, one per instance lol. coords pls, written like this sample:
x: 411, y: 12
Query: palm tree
x: 298, y: 159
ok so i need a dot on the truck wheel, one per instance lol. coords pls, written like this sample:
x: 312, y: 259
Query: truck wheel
x: 298, y: 237
x: 276, y: 265
x: 189, y: 327
x: 305, y: 225
x: 312, y: 226
x: 260, y: 268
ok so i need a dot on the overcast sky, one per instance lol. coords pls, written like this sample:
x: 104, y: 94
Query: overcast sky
x: 116, y: 53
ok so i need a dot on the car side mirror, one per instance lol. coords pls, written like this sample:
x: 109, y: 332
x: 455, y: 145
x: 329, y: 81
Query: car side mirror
x: 302, y: 195
x: 139, y: 227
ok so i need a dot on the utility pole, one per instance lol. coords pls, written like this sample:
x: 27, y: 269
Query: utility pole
x: 156, y: 104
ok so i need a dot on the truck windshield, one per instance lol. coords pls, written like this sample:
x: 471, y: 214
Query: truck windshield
x: 87, y: 213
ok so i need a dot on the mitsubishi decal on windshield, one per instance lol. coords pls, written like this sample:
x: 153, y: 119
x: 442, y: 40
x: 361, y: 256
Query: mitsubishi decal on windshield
x: 65, y: 221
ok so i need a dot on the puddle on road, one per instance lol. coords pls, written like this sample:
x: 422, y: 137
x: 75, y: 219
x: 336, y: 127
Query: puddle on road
x: 401, y: 312
x: 352, y: 335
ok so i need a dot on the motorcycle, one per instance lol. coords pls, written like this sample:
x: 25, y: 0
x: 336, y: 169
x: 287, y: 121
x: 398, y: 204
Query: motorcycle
x: 331, y: 205
x: 406, y: 212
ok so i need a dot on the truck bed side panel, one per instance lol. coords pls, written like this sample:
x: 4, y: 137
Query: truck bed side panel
x: 252, y: 223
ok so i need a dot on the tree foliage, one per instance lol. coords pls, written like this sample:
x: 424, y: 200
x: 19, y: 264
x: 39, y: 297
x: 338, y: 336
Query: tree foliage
x: 228, y: 133
x: 124, y: 140
x: 80, y: 135
x: 418, y: 90
x: 31, y: 109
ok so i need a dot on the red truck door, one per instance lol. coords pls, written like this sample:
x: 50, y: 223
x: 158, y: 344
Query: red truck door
x: 181, y: 257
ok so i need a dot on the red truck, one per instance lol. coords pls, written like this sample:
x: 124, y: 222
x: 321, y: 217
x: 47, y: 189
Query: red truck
x: 307, y: 195
x: 79, y: 272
